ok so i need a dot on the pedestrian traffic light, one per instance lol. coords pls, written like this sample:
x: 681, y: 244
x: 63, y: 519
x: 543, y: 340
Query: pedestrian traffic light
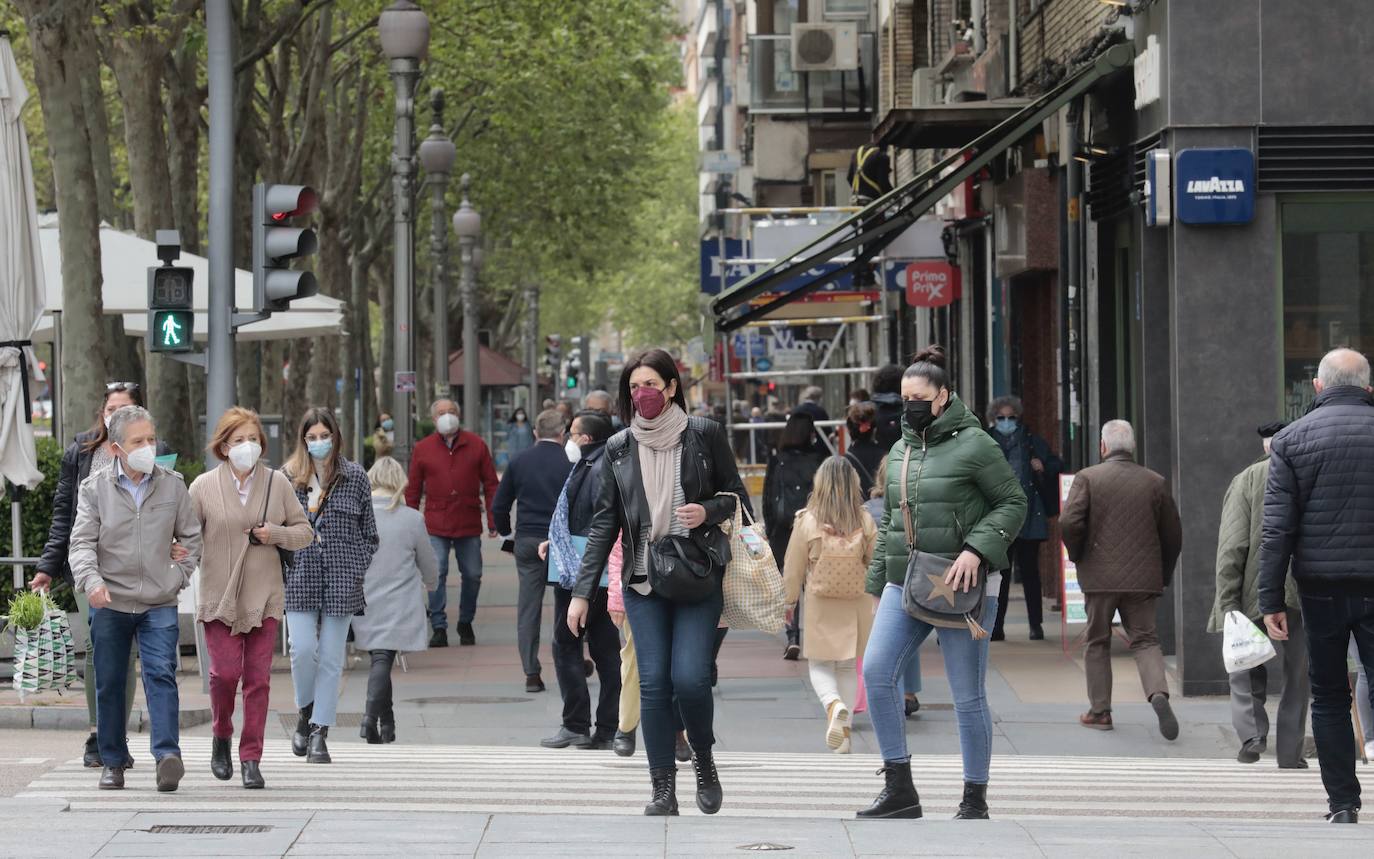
x: 276, y: 243
x: 553, y: 350
x: 171, y: 319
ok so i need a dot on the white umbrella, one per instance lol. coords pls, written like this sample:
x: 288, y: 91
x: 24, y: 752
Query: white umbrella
x: 21, y: 279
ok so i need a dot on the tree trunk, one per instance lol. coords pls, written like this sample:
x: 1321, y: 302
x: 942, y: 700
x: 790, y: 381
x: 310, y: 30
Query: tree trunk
x: 59, y: 30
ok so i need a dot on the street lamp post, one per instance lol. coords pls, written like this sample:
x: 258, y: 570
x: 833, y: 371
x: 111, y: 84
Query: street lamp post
x: 467, y: 223
x: 437, y: 154
x: 404, y: 31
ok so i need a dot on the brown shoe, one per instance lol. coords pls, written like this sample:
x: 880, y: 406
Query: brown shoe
x: 1096, y: 721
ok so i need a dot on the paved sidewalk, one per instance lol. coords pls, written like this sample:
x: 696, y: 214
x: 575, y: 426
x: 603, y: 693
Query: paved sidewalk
x: 245, y: 835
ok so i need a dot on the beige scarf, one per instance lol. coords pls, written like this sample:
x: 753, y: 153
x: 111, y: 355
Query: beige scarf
x: 660, y: 463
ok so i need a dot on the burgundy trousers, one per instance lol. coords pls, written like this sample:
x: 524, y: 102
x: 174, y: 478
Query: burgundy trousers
x: 245, y: 657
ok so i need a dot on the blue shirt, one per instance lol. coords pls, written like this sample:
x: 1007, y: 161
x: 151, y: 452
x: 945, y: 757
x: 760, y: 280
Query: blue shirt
x: 137, y: 491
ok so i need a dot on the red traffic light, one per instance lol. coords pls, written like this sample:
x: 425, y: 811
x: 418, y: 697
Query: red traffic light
x: 290, y: 201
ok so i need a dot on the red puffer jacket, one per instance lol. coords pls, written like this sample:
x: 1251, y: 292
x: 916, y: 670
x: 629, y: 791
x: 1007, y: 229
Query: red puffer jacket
x: 453, y: 481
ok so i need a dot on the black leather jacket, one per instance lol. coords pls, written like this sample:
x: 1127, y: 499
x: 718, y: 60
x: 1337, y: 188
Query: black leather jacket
x: 708, y: 467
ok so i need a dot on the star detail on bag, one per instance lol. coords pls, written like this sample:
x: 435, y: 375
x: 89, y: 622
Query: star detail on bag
x: 938, y: 588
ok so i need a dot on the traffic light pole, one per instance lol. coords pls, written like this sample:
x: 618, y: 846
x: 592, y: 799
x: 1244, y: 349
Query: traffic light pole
x: 532, y: 357
x: 220, y: 370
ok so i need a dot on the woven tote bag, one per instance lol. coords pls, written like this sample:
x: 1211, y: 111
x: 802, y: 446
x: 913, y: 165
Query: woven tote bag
x: 753, y: 584
x: 45, y: 656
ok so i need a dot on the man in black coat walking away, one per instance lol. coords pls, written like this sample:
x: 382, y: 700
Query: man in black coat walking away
x: 1317, y: 505
x: 887, y: 399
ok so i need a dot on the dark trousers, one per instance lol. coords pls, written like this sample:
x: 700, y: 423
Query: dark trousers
x: 603, y: 642
x: 379, y: 686
x: 1026, y: 556
x: 533, y: 574
x: 1140, y: 622
x: 674, y: 643
x: 112, y: 636
x: 1331, y: 622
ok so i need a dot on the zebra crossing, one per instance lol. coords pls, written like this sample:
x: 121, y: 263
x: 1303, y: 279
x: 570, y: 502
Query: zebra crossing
x: 536, y: 780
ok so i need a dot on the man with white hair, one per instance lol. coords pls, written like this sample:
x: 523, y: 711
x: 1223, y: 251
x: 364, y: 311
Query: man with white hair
x: 1121, y: 528
x: 128, y: 516
x: 1317, y: 516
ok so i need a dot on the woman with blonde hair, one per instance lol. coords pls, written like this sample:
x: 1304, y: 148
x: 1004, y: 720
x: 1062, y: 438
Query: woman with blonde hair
x: 396, y: 588
x: 830, y: 549
x: 247, y: 512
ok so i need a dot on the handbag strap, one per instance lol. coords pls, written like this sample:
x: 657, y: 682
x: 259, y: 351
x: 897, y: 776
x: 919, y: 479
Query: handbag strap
x: 268, y: 500
x: 741, y: 517
x: 908, y: 526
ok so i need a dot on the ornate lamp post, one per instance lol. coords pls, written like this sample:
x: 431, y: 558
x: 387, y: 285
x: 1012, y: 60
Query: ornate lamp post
x: 404, y: 30
x: 437, y: 154
x: 467, y: 223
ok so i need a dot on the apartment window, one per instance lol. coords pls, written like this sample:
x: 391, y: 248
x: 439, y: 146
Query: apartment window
x: 846, y: 9
x: 776, y: 17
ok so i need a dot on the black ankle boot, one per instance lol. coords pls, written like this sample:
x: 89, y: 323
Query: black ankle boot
x: 317, y: 751
x: 664, y: 802
x: 252, y: 776
x: 301, y: 736
x: 974, y: 805
x: 370, y: 732
x: 221, y: 766
x: 387, y: 728
x: 898, y: 799
x: 709, y: 793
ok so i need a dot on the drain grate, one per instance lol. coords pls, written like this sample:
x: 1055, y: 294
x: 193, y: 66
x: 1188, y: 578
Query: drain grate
x: 764, y: 846
x: 242, y: 829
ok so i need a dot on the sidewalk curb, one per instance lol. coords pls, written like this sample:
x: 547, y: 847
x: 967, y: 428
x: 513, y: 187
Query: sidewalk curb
x: 74, y: 718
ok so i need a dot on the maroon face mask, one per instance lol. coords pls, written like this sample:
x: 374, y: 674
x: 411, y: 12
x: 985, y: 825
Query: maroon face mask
x: 649, y: 402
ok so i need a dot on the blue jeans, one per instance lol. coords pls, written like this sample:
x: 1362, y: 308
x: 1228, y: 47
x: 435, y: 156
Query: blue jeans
x: 317, y: 656
x: 469, y: 552
x: 1331, y: 622
x: 112, y: 634
x: 911, y: 675
x: 895, y: 638
x: 674, y: 643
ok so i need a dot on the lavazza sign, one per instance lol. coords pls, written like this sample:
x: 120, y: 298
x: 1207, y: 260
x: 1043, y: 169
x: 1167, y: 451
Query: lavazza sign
x: 1216, y: 185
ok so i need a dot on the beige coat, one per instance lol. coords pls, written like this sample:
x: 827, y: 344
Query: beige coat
x: 836, y: 629
x: 240, y: 583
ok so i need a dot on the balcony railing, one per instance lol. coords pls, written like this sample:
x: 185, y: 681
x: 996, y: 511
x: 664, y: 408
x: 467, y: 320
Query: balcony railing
x: 775, y: 88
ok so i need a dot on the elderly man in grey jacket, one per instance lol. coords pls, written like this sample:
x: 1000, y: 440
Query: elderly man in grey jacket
x: 127, y: 517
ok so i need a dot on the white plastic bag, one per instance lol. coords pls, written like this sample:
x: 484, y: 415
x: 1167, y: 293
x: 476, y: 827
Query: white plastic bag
x: 1244, y: 645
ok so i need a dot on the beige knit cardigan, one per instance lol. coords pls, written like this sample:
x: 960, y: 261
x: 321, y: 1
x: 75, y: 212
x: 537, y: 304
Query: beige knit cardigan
x: 241, y: 584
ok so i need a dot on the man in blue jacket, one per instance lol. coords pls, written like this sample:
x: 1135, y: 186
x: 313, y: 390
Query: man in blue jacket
x: 1318, y: 503
x: 533, y: 481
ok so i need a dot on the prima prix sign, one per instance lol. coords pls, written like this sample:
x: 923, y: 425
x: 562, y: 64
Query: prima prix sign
x: 931, y: 283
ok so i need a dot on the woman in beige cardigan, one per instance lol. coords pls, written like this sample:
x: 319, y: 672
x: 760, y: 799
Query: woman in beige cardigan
x: 247, y: 512
x: 832, y: 543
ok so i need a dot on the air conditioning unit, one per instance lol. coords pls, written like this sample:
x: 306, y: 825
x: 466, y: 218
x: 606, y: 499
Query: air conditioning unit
x: 925, y: 88
x: 830, y: 47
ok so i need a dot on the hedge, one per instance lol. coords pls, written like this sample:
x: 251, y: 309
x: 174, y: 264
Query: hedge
x: 36, y: 517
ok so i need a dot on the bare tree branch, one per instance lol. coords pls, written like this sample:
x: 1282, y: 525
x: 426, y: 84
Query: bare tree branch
x: 284, y: 29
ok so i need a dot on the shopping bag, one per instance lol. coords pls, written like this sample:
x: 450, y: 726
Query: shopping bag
x: 45, y: 656
x: 1244, y: 645
x: 753, y: 584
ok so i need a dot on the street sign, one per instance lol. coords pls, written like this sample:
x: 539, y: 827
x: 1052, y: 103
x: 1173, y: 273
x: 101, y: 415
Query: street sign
x: 931, y: 283
x: 405, y: 381
x: 171, y: 319
x: 763, y: 365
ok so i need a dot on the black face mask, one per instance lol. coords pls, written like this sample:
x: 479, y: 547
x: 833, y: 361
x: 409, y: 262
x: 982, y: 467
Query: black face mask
x: 917, y: 414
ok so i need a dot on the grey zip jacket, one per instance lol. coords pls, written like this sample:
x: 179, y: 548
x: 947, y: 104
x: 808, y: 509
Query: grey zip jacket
x: 127, y: 549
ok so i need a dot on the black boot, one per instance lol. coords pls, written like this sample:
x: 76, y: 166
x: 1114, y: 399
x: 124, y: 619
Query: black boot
x: 301, y: 735
x: 708, y: 783
x: 898, y: 799
x: 91, y: 756
x: 386, y: 726
x: 317, y: 751
x: 252, y: 776
x: 664, y: 802
x: 370, y: 732
x: 974, y: 805
x: 221, y: 765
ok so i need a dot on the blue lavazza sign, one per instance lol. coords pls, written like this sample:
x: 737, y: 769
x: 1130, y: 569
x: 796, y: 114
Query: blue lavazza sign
x: 1215, y: 186
x: 739, y: 272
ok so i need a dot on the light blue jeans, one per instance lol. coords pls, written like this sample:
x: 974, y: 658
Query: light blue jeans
x: 318, y: 643
x: 892, y: 647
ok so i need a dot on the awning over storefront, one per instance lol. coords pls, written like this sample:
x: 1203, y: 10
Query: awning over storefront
x: 945, y: 126
x: 493, y: 369
x: 871, y: 230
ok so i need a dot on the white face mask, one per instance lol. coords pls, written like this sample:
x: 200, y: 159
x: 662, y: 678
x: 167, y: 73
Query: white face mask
x: 244, y: 455
x: 107, y: 421
x: 573, y: 451
x: 446, y: 424
x: 142, y: 460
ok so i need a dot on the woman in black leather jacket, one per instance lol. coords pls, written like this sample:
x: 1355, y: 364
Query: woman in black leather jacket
x: 662, y: 478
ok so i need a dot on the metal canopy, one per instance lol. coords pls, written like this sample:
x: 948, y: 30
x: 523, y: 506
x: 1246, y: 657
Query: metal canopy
x: 873, y: 228
x: 945, y: 126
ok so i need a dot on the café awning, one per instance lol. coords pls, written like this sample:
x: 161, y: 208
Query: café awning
x: 870, y: 230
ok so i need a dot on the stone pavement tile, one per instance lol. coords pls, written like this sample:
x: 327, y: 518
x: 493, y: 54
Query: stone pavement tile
x: 721, y: 836
x: 1141, y: 837
x: 407, y: 850
x: 940, y: 837
x: 1126, y: 740
x: 569, y: 831
x: 378, y: 831
x: 590, y: 851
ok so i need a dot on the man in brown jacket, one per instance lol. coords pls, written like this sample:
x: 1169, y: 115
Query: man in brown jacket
x: 1121, y: 527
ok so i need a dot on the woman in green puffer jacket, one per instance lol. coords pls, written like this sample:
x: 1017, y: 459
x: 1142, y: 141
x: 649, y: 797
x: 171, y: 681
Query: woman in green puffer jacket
x: 966, y: 505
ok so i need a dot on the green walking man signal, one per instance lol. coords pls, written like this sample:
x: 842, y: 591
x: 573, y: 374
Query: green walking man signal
x: 171, y: 317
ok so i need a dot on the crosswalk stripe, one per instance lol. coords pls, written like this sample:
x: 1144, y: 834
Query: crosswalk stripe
x: 511, y: 779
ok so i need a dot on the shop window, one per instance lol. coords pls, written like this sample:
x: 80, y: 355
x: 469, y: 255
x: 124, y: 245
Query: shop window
x: 1328, y: 289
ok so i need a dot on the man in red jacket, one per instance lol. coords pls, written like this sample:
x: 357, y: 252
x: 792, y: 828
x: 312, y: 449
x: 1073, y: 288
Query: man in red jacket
x: 452, y: 469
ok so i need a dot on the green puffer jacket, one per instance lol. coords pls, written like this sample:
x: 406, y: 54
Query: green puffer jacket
x: 1238, y: 550
x: 962, y: 494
